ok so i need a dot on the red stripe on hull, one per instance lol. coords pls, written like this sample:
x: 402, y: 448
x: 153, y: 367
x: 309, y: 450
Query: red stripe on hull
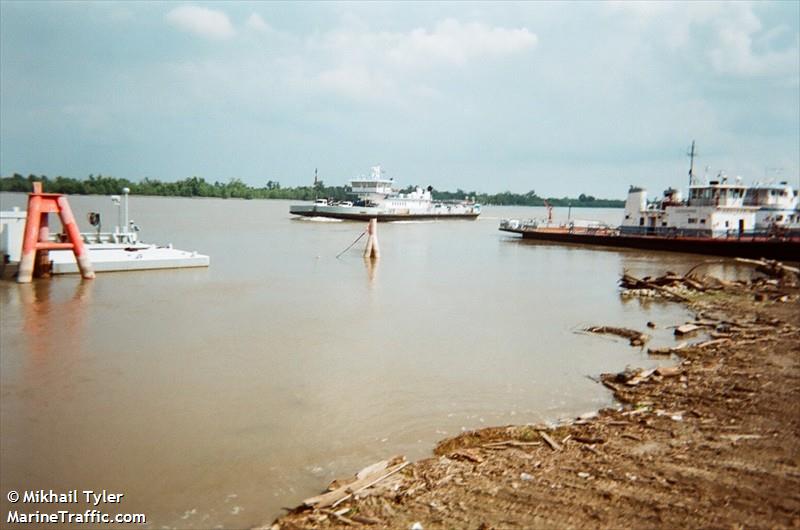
x: 780, y: 249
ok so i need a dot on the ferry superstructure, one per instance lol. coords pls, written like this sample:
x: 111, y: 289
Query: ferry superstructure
x: 719, y: 217
x: 376, y: 198
x: 716, y: 209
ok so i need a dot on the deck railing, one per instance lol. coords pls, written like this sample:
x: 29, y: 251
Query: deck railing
x: 775, y: 233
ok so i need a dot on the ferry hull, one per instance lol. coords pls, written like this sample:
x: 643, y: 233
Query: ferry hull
x: 747, y: 247
x: 365, y: 214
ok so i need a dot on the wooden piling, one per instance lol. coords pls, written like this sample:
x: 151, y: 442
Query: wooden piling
x: 372, y: 250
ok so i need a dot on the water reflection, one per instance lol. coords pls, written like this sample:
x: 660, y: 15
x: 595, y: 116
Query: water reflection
x: 41, y: 310
x: 637, y: 262
x: 372, y: 270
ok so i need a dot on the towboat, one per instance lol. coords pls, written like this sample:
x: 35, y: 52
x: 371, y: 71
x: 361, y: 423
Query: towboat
x: 720, y: 217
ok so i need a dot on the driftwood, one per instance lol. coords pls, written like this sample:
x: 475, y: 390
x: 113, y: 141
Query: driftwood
x: 339, y: 516
x: 636, y: 338
x: 687, y: 329
x: 669, y: 371
x: 638, y: 376
x: 770, y: 267
x: 367, y: 477
x: 466, y: 454
x: 588, y: 440
x: 715, y: 342
x: 363, y: 519
x: 509, y: 443
x: 676, y: 286
x: 657, y: 284
x: 667, y: 350
x: 774, y: 269
x: 552, y: 443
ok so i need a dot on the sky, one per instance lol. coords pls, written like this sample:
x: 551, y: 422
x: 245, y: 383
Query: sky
x: 559, y: 98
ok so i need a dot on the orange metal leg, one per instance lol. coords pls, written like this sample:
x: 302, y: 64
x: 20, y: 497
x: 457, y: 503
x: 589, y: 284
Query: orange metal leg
x: 78, y: 248
x: 41, y: 266
x: 32, y: 221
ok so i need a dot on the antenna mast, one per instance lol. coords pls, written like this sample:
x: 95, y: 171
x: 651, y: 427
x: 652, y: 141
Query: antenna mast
x: 691, y: 154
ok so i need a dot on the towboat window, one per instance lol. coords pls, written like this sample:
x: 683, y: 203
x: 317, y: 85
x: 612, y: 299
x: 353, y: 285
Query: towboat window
x: 641, y: 221
x: 692, y: 220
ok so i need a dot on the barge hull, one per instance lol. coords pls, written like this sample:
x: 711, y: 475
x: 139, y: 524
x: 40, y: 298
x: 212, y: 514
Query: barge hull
x: 778, y: 249
x: 384, y: 217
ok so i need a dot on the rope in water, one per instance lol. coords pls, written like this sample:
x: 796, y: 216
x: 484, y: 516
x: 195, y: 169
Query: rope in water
x: 351, y: 244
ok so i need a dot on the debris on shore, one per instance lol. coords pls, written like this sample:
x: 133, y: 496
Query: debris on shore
x: 636, y: 338
x: 712, y: 441
x: 775, y: 284
x: 365, y: 480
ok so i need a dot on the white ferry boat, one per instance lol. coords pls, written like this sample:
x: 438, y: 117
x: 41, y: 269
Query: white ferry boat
x: 376, y: 198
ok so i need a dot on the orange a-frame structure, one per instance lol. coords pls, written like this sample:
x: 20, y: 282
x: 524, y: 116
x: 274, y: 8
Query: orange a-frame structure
x: 37, y: 233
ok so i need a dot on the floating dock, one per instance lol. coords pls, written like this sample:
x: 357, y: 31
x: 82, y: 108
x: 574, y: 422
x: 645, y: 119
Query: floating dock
x: 112, y: 258
x: 119, y: 250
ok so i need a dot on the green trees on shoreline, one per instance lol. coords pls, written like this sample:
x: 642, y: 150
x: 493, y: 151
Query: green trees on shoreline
x: 235, y: 188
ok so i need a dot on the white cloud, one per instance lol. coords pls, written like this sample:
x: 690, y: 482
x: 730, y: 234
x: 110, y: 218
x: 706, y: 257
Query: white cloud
x: 454, y: 42
x: 381, y: 64
x: 457, y: 43
x: 202, y: 21
x: 360, y: 63
x: 450, y: 41
x: 722, y: 34
x: 255, y: 22
x: 734, y: 52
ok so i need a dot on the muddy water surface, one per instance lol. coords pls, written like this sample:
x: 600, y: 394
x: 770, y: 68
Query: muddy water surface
x: 214, y: 397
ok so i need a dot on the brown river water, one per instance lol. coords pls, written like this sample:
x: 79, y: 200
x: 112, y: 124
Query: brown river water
x: 214, y: 397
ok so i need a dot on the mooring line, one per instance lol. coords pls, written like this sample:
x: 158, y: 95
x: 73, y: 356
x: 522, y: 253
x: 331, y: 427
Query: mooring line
x: 351, y: 244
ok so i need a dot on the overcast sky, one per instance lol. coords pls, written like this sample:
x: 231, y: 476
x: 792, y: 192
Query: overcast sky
x: 561, y: 98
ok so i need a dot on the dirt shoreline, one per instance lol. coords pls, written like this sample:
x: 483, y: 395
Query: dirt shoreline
x: 712, y: 443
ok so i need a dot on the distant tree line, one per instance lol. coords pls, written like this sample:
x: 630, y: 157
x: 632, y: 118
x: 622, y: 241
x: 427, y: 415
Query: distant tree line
x: 508, y: 198
x: 188, y: 187
x: 235, y: 188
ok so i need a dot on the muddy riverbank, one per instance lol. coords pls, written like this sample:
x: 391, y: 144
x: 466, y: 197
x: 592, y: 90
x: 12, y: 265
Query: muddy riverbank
x: 713, y: 441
